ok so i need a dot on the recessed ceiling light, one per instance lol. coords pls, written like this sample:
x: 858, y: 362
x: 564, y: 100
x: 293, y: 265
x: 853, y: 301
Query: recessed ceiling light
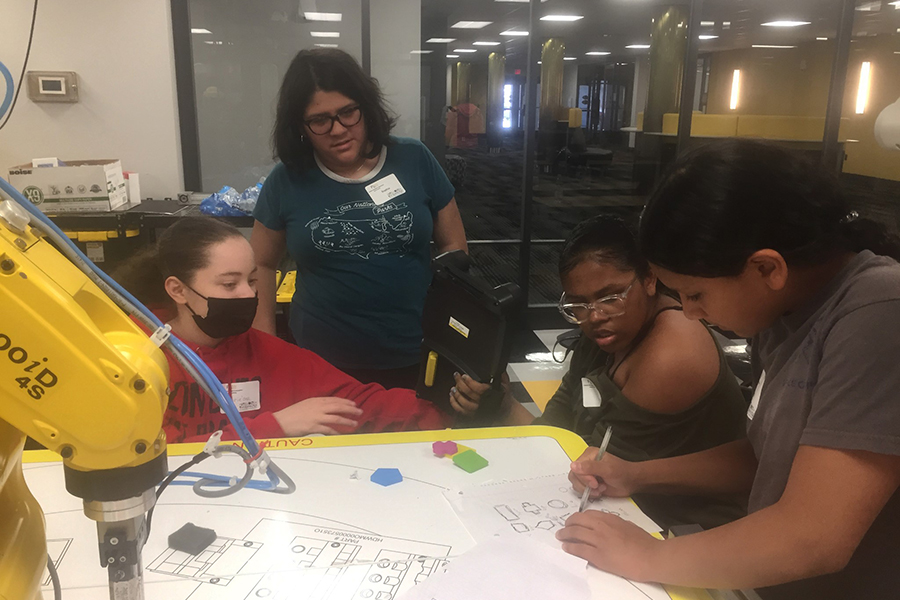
x: 726, y: 24
x: 638, y: 46
x: 513, y: 32
x: 453, y: 56
x: 464, y: 50
x: 597, y: 53
x: 569, y: 58
x: 485, y: 43
x: 707, y: 37
x: 201, y: 31
x: 897, y: 6
x: 563, y: 18
x: 785, y: 23
x: 326, y: 45
x: 471, y: 24
x: 325, y: 34
x: 440, y: 40
x: 321, y: 16
x: 772, y: 46
x: 213, y: 43
x: 821, y: 39
x: 707, y: 23
x: 420, y: 52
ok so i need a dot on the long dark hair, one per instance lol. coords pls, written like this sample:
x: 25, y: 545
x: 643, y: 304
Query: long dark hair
x: 603, y: 238
x: 180, y: 251
x: 329, y: 70
x: 722, y: 202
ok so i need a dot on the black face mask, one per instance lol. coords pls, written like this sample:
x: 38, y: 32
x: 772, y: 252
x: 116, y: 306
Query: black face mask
x: 225, y: 316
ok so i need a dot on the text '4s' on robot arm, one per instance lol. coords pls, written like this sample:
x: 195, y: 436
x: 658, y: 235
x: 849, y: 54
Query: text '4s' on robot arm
x: 80, y: 377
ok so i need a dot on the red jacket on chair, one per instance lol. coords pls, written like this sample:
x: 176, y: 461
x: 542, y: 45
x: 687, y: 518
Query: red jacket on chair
x: 286, y: 374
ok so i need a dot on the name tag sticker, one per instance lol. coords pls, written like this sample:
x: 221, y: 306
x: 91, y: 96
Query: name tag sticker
x: 245, y: 395
x: 590, y: 395
x: 385, y: 189
x: 754, y: 403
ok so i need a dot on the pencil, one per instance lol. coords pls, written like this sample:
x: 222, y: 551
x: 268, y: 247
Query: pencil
x: 586, y: 494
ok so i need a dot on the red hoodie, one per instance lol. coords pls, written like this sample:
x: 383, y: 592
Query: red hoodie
x: 286, y: 374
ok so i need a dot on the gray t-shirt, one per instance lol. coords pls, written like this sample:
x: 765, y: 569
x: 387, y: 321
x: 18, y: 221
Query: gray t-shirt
x: 829, y: 377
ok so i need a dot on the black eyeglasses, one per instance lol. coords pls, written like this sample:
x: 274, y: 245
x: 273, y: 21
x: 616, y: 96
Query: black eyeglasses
x: 322, y: 124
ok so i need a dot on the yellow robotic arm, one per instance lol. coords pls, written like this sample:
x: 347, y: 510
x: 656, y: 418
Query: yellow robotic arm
x: 80, y: 377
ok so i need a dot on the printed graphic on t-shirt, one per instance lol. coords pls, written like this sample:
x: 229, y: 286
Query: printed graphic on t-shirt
x: 363, y: 229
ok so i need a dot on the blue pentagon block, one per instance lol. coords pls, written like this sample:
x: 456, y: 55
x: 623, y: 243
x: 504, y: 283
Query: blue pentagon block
x: 386, y: 477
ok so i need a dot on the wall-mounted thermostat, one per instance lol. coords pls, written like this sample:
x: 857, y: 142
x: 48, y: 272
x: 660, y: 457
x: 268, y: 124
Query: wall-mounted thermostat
x: 52, y: 86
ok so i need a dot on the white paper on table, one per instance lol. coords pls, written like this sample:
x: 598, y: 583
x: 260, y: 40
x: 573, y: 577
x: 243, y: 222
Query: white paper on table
x: 508, y: 568
x: 511, y: 567
x: 532, y: 508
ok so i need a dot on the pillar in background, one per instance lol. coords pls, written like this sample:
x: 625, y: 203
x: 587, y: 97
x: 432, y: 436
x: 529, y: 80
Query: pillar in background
x: 668, y: 45
x: 496, y: 79
x: 459, y: 93
x: 551, y: 138
x: 551, y: 83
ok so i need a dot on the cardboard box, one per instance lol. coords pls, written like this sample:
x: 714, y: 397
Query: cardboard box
x: 75, y: 186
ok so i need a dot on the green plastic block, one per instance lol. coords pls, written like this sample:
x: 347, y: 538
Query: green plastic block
x: 470, y: 461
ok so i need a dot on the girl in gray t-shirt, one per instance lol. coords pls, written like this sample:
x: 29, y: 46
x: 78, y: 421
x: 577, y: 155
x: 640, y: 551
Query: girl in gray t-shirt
x: 764, y: 244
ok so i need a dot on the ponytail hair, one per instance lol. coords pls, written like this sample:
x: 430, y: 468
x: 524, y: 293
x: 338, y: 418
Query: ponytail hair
x: 180, y: 251
x: 722, y: 202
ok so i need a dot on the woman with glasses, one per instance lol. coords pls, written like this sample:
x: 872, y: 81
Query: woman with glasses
x: 659, y: 379
x: 357, y: 209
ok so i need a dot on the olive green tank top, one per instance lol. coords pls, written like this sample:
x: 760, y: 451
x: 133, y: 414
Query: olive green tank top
x: 639, y: 434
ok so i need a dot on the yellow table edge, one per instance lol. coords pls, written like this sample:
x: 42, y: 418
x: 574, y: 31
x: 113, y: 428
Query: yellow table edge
x: 571, y: 444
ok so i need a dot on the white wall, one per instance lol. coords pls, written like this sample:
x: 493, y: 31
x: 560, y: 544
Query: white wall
x: 122, y: 51
x: 395, y: 31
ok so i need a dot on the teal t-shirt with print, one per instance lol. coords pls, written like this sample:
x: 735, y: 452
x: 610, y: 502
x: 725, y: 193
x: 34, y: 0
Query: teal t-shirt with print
x: 362, y: 268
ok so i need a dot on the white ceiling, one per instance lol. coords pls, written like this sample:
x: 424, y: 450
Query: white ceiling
x: 610, y: 25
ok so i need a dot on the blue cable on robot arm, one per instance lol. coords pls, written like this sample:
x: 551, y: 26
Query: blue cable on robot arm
x: 135, y: 308
x: 10, y: 88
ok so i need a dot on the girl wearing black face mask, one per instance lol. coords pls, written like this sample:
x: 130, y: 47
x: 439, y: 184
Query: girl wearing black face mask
x: 201, y: 279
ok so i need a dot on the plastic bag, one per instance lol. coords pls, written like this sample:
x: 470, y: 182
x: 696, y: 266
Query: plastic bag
x: 227, y: 202
x: 222, y: 204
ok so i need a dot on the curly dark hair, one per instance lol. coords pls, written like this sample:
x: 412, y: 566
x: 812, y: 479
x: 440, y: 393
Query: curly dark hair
x: 329, y: 70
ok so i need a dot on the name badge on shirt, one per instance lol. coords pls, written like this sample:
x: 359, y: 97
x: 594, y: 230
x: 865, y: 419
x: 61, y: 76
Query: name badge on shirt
x: 385, y: 189
x: 754, y: 403
x: 245, y: 395
x: 590, y: 395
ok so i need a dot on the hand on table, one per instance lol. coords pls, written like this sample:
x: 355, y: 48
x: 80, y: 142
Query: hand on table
x: 465, y: 396
x: 610, y: 476
x: 318, y: 415
x: 609, y: 543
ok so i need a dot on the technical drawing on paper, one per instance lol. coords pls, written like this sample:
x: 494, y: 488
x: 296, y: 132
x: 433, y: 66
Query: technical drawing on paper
x: 216, y: 565
x: 281, y: 560
x: 56, y: 550
x: 531, y: 507
x: 528, y: 516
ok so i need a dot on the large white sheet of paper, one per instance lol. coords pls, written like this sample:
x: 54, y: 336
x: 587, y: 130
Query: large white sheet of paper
x: 535, y: 507
x: 511, y: 567
x: 507, y: 568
